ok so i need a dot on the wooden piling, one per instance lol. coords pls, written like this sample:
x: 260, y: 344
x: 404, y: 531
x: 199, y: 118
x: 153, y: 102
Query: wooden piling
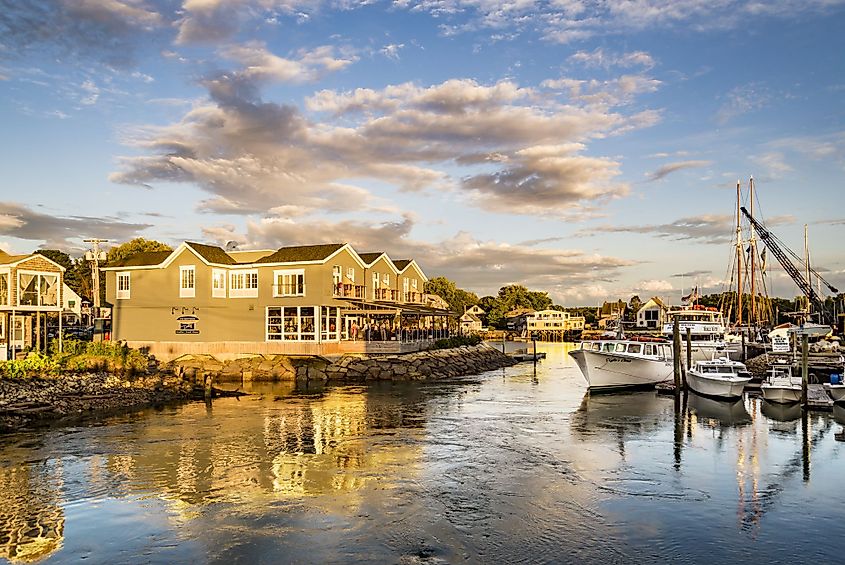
x: 676, y: 354
x: 805, y: 372
x: 689, y: 356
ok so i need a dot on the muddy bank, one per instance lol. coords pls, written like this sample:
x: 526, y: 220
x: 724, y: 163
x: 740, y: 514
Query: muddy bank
x: 25, y: 402
x: 423, y: 365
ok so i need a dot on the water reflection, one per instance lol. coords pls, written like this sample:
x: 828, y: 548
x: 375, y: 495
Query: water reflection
x: 31, y: 518
x: 515, y: 463
x: 722, y: 413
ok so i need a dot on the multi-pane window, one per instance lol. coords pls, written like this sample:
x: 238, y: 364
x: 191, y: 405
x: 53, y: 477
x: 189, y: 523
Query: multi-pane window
x: 290, y: 282
x: 291, y: 323
x: 243, y: 284
x: 218, y: 283
x: 4, y: 289
x: 376, y: 281
x: 123, y: 286
x: 337, y: 274
x: 37, y: 289
x: 350, y: 274
x: 386, y: 279
x: 187, y: 281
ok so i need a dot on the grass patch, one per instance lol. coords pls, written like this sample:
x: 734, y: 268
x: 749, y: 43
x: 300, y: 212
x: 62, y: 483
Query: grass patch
x: 78, y: 357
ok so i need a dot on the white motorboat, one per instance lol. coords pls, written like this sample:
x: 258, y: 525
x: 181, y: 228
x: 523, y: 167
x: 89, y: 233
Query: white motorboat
x: 781, y: 385
x: 621, y: 363
x: 707, y: 331
x: 719, y: 378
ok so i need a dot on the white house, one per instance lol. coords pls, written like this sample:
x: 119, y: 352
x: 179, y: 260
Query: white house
x: 652, y: 314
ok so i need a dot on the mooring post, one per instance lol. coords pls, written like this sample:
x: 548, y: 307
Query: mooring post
x: 207, y: 385
x: 503, y: 341
x: 689, y: 356
x: 534, y: 340
x: 805, y: 349
x: 676, y: 354
x: 744, y: 350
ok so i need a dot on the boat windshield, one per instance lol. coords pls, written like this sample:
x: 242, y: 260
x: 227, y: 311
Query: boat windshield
x: 635, y: 348
x: 620, y: 348
x: 608, y: 347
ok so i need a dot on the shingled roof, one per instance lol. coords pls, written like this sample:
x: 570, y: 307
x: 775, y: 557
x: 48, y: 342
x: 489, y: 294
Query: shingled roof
x: 402, y: 263
x: 143, y: 259
x: 5, y: 258
x: 301, y: 253
x: 211, y: 253
x: 368, y: 258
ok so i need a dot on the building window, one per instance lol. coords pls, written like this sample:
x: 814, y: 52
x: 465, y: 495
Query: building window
x: 350, y: 274
x: 376, y: 281
x: 290, y: 282
x: 123, y: 286
x: 291, y: 323
x: 243, y: 284
x: 2, y: 329
x: 4, y: 289
x: 218, y: 283
x: 37, y: 289
x: 187, y: 282
x: 386, y: 280
x: 329, y: 323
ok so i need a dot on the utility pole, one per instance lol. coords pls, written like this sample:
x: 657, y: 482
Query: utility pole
x: 94, y: 256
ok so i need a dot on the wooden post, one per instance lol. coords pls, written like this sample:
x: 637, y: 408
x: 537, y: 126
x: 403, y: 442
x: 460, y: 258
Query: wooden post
x: 689, y: 356
x: 535, y: 351
x: 503, y: 341
x: 676, y: 354
x: 207, y: 384
x: 744, y: 350
x: 805, y: 348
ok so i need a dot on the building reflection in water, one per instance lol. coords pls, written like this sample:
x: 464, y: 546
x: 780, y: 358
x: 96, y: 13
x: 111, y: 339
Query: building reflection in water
x: 259, y: 449
x: 32, y: 520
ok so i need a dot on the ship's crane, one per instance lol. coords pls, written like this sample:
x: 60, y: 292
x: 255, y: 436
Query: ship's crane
x: 774, y: 246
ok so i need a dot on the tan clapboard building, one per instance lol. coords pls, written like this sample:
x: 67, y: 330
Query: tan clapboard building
x: 307, y: 300
x: 30, y: 291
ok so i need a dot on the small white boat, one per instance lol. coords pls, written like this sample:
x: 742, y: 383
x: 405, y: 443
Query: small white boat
x: 719, y: 378
x: 781, y: 385
x: 836, y: 392
x: 620, y: 363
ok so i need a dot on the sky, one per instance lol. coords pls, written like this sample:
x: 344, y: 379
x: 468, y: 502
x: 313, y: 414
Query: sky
x: 588, y: 148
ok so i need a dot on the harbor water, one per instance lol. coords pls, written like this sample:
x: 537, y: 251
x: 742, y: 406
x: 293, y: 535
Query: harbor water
x: 512, y: 466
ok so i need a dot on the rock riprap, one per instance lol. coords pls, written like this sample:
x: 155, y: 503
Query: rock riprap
x: 432, y: 364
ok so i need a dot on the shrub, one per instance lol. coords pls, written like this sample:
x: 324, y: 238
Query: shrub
x: 457, y: 341
x: 34, y: 365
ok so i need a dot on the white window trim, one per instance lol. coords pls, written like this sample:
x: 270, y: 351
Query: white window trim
x: 123, y: 294
x: 245, y: 292
x: 184, y: 291
x: 217, y: 274
x: 350, y: 274
x: 293, y: 272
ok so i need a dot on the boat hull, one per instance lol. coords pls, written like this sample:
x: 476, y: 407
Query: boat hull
x: 836, y: 392
x: 781, y: 394
x: 729, y: 388
x: 608, y: 371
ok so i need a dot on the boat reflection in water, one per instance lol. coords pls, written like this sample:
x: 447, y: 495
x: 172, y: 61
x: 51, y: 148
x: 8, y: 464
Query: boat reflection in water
x: 839, y: 413
x: 780, y: 412
x: 728, y: 413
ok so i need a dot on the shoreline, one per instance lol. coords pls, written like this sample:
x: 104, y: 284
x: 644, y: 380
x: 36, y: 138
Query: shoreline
x: 46, y: 400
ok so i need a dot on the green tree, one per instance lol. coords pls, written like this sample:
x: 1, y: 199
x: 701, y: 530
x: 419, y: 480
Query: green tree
x: 57, y: 256
x: 457, y: 298
x: 133, y: 247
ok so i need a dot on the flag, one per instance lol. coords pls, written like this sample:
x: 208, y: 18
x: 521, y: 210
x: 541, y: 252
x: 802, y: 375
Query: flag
x: 763, y: 261
x: 691, y: 297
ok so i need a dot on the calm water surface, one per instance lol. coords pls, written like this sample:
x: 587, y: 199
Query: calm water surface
x: 510, y: 466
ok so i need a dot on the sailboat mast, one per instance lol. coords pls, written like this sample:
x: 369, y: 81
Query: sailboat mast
x: 752, y: 316
x: 807, y: 261
x: 738, y: 259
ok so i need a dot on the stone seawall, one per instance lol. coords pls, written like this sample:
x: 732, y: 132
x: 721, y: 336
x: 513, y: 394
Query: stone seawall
x: 433, y: 364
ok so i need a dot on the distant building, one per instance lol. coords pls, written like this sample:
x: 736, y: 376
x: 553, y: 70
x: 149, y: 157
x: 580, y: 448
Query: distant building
x: 515, y: 320
x: 652, y: 314
x: 610, y: 312
x: 477, y: 310
x: 553, y: 325
x: 470, y: 323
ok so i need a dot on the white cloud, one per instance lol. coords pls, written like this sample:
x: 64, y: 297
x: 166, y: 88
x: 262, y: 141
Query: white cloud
x: 669, y: 168
x: 391, y: 51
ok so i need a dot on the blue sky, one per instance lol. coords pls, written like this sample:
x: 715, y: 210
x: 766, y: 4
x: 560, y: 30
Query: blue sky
x: 586, y: 148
